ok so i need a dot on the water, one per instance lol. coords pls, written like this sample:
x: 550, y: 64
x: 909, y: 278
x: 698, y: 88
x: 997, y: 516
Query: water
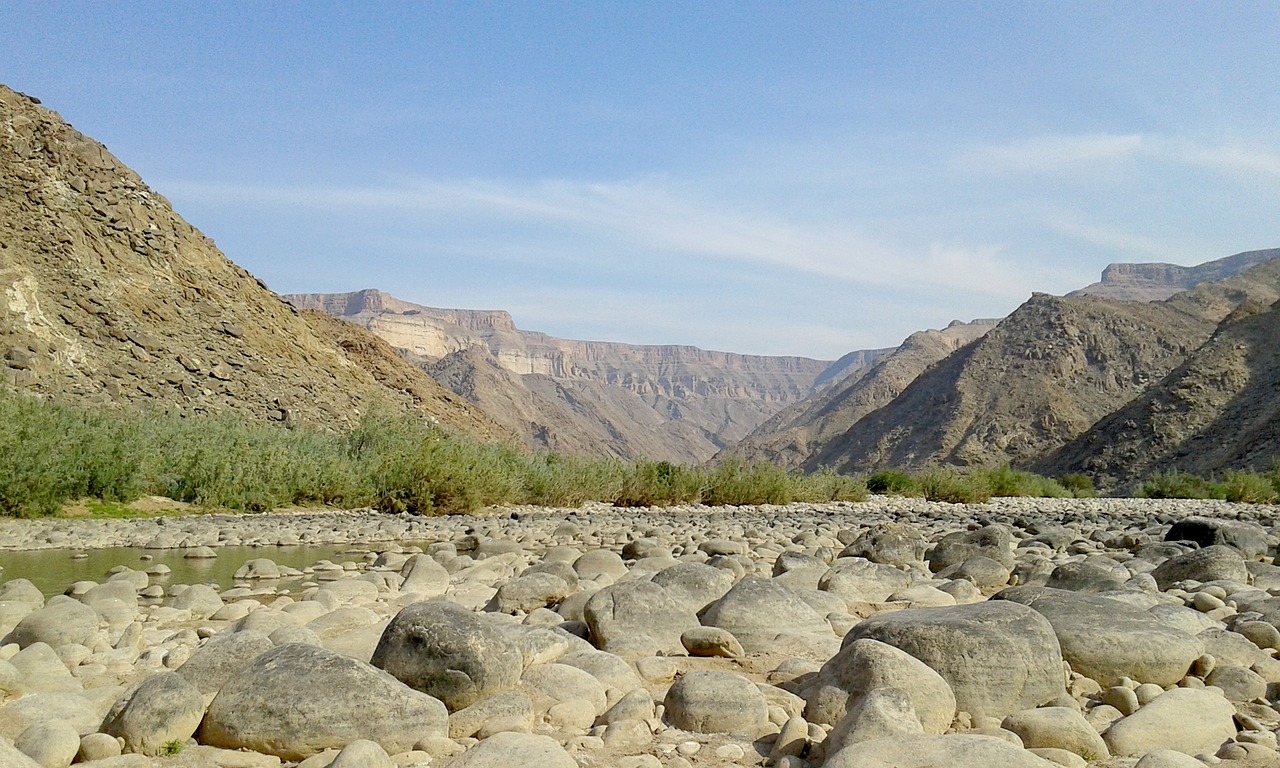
x: 53, y: 570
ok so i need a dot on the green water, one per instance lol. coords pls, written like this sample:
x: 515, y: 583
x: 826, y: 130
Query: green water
x: 53, y: 570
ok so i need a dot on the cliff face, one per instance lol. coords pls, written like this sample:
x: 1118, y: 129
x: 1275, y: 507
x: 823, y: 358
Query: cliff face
x: 795, y: 434
x: 677, y: 403
x: 109, y: 297
x: 1154, y: 282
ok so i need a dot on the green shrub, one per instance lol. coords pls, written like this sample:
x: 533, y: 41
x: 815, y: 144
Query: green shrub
x: 825, y: 485
x: 1006, y: 481
x: 1080, y: 486
x: 1180, y: 485
x: 735, y: 483
x: 950, y: 486
x: 893, y: 483
x: 1249, y: 488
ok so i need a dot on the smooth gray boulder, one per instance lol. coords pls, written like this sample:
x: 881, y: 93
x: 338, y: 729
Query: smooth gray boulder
x: 1090, y: 576
x: 994, y: 541
x: 1248, y: 538
x: 1106, y: 640
x: 52, y: 744
x: 160, y: 709
x: 529, y: 592
x: 1057, y: 728
x: 999, y: 657
x: 953, y: 750
x: 297, y: 700
x: 889, y: 543
x: 866, y: 665
x: 222, y: 657
x: 22, y: 591
x: 201, y: 599
x: 62, y: 620
x: 424, y: 575
x: 758, y: 612
x: 882, y: 713
x: 694, y: 585
x: 504, y: 750
x: 857, y: 580
x: 628, y: 609
x: 72, y: 708
x: 1188, y: 720
x: 714, y: 701
x: 362, y: 753
x: 12, y: 757
x: 448, y: 652
x: 1216, y: 563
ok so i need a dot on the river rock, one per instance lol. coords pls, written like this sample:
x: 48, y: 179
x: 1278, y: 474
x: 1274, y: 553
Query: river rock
x: 51, y: 744
x: 62, y: 620
x: 857, y: 580
x: 628, y: 609
x: 1248, y: 538
x: 1188, y: 720
x: 1057, y: 728
x: 424, y: 576
x: 503, y: 750
x: 998, y: 657
x: 953, y: 750
x: 201, y: 599
x: 889, y: 543
x: 446, y: 651
x: 762, y: 615
x: 297, y: 700
x: 993, y: 541
x: 715, y: 701
x: 694, y: 585
x: 224, y: 656
x: 865, y: 665
x: 160, y: 709
x: 1214, y: 563
x: 881, y: 713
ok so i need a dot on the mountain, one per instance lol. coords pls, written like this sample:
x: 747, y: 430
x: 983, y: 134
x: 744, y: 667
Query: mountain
x: 1041, y: 378
x: 1153, y: 282
x: 1217, y: 411
x: 792, y: 436
x: 111, y: 298
x: 676, y: 403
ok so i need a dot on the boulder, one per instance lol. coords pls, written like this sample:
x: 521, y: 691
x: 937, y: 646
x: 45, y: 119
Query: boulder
x: 444, y: 650
x: 1106, y: 640
x: 999, y: 657
x: 1057, y: 728
x: 866, y: 665
x: 628, y: 609
x: 424, y: 576
x: 1088, y: 576
x: 1215, y: 563
x: 12, y: 757
x: 222, y: 657
x: 1188, y: 720
x: 529, y: 592
x: 882, y: 713
x: 890, y: 544
x: 714, y: 701
x: 52, y: 744
x: 953, y: 750
x: 297, y: 700
x: 160, y: 709
x: 503, y: 750
x: 694, y: 585
x: 62, y: 620
x: 994, y: 541
x: 1249, y: 539
x: 759, y: 611
x: 72, y: 708
x: 201, y: 599
x: 857, y: 580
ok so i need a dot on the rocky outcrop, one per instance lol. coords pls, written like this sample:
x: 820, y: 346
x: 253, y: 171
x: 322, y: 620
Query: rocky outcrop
x: 1154, y: 282
x: 676, y: 403
x: 791, y: 436
x: 109, y: 297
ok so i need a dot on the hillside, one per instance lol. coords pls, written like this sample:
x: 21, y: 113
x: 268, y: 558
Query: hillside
x: 677, y: 403
x: 1217, y: 411
x: 1154, y: 282
x: 793, y: 435
x: 111, y: 298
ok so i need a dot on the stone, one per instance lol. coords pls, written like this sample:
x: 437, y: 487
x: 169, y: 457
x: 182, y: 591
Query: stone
x: 610, y: 670
x: 890, y: 544
x: 1106, y: 640
x: 512, y: 706
x: 1238, y: 683
x: 983, y: 571
x: 51, y: 744
x: 12, y: 757
x: 503, y: 750
x: 857, y: 580
x: 1057, y: 728
x: 694, y: 585
x: 1215, y: 563
x: 993, y: 541
x: 715, y: 701
x: 160, y: 709
x: 758, y: 612
x: 600, y: 564
x: 62, y: 620
x: 711, y: 641
x: 998, y: 657
x: 98, y: 746
x: 881, y: 713
x: 529, y: 592
x: 362, y: 753
x: 631, y: 608
x: 258, y: 568
x: 1168, y: 758
x: 297, y: 700
x: 201, y: 599
x: 866, y: 665
x: 424, y: 576
x: 955, y: 750
x: 561, y: 682
x: 1248, y: 538
x: 72, y: 708
x: 222, y: 657
x: 448, y: 652
x: 1188, y: 720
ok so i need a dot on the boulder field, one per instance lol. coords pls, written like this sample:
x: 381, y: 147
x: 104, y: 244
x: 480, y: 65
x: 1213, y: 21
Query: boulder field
x: 891, y: 632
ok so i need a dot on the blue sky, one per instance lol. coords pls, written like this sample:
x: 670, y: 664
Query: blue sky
x: 778, y: 178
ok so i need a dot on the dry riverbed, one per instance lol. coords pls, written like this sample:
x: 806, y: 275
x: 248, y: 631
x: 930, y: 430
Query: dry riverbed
x: 892, y: 632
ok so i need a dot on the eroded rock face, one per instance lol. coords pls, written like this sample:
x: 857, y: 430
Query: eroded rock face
x: 298, y: 700
x: 448, y: 652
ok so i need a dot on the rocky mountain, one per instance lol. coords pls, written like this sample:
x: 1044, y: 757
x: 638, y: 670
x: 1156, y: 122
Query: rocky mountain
x: 110, y: 297
x: 1219, y: 410
x: 1041, y: 378
x: 792, y: 436
x: 677, y: 403
x: 1153, y: 282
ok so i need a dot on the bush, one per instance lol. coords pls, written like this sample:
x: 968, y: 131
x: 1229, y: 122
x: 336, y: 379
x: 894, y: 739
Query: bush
x: 1006, y: 481
x: 1080, y: 486
x: 1249, y: 488
x: 893, y: 483
x: 950, y: 486
x: 1180, y: 485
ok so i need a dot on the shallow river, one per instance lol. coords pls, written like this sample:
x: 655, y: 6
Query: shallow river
x: 53, y: 570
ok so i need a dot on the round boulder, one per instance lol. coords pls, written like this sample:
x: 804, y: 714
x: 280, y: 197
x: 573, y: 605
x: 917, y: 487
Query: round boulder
x: 713, y: 701
x: 160, y: 709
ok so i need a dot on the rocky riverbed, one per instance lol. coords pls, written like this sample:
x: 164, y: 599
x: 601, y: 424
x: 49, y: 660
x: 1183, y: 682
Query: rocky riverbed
x: 893, y: 632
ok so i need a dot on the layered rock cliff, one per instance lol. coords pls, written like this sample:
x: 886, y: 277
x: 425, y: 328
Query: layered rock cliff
x: 110, y: 297
x: 677, y: 403
x: 1154, y: 282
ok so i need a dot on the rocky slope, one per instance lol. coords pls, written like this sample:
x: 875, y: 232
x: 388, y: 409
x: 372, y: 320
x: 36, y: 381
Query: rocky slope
x: 1217, y: 411
x: 1153, y: 282
x: 110, y: 297
x: 676, y: 403
x: 793, y: 435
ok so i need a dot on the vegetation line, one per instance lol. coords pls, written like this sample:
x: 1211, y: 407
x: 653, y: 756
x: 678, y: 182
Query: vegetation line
x: 53, y: 454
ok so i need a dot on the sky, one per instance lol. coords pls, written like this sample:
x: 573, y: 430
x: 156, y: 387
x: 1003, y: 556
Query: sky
x: 786, y: 178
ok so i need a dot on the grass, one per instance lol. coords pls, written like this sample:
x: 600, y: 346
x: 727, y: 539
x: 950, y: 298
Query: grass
x: 171, y: 748
x: 1245, y: 487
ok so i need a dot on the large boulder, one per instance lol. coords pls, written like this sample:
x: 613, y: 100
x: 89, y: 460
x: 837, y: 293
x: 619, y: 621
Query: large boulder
x: 1057, y: 728
x: 866, y: 665
x: 1106, y: 640
x: 1188, y: 720
x: 889, y: 543
x: 994, y: 541
x: 222, y: 657
x: 694, y: 585
x: 857, y: 580
x: 628, y: 609
x: 715, y: 701
x: 298, y: 700
x: 444, y: 650
x: 1250, y: 539
x: 1216, y: 563
x: 62, y: 620
x: 953, y: 750
x: 999, y: 657
x: 423, y: 575
x: 758, y: 612
x: 161, y: 709
x: 503, y: 750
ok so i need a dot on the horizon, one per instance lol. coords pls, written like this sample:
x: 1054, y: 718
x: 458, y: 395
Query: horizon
x: 798, y: 179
